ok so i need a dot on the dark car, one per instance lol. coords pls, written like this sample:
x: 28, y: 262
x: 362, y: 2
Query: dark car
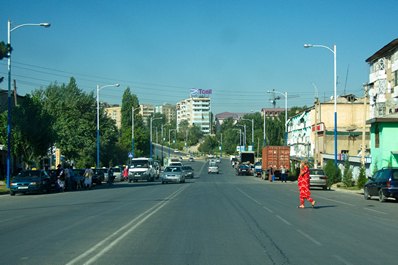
x: 98, y: 176
x: 188, y: 170
x: 244, y: 170
x: 32, y: 181
x: 384, y: 184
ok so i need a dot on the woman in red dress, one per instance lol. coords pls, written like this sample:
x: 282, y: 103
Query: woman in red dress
x: 304, y: 184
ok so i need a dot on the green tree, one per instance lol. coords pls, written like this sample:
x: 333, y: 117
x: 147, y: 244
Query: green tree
x: 4, y: 50
x: 361, y: 178
x: 74, y: 114
x: 332, y: 172
x: 141, y: 132
x: 209, y: 145
x: 347, y: 174
x: 33, y: 134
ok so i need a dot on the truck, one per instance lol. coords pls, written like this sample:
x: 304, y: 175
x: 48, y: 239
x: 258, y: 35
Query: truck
x: 247, y: 157
x: 275, y: 157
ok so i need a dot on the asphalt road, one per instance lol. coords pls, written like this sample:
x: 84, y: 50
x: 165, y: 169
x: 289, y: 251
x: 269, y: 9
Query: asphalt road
x: 212, y: 219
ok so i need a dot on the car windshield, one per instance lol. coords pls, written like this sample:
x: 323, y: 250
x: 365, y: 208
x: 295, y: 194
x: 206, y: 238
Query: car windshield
x: 395, y: 175
x: 172, y: 169
x: 316, y: 172
x: 139, y: 163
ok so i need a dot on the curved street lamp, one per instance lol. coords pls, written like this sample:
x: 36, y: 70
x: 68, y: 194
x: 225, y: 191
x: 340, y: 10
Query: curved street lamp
x: 9, y: 30
x: 334, y: 51
x: 98, y: 128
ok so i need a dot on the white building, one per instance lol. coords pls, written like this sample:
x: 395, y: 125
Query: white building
x: 195, y: 110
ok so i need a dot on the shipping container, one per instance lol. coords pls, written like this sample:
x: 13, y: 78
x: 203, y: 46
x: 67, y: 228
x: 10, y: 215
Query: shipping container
x: 275, y: 157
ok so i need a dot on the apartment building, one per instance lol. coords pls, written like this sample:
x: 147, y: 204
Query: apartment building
x: 146, y: 111
x: 311, y: 132
x: 115, y: 113
x: 168, y: 110
x: 383, y: 80
x: 195, y: 110
x: 383, y: 96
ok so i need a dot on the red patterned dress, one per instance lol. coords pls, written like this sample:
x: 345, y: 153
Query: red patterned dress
x: 304, y: 186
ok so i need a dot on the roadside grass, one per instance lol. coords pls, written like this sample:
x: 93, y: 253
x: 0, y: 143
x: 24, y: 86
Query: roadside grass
x: 3, y: 189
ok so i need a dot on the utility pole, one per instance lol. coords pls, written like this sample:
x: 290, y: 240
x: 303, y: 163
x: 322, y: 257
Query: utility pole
x: 316, y: 134
x: 363, y: 147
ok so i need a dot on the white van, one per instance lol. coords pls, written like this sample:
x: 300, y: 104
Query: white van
x: 142, y: 169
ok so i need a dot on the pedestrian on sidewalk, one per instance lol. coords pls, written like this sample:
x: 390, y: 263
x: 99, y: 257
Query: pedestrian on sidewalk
x: 304, y: 184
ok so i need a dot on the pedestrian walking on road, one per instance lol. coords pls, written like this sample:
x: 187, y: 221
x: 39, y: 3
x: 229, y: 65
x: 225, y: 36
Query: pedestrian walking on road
x: 61, y: 177
x: 304, y: 185
x: 126, y: 173
x: 88, y: 175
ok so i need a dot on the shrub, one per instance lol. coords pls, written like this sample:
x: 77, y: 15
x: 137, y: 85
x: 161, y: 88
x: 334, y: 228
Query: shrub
x: 347, y: 175
x: 361, y: 177
x: 332, y: 172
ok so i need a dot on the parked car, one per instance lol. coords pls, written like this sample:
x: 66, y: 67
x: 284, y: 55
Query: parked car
x: 213, y: 168
x: 117, y: 174
x: 244, y: 170
x: 32, y: 181
x: 189, y: 173
x: 191, y: 159
x: 142, y: 169
x: 384, y: 184
x: 318, y: 178
x: 98, y: 176
x: 172, y: 174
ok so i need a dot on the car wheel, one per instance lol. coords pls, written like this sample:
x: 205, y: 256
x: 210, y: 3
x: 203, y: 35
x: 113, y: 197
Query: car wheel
x: 325, y: 187
x: 366, y: 193
x: 12, y: 193
x: 162, y: 182
x: 382, y: 197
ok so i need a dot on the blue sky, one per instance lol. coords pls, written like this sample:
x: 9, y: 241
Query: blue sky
x: 162, y: 49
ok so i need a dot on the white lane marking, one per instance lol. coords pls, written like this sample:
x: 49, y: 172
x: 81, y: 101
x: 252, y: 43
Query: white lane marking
x: 342, y: 260
x: 248, y: 196
x: 268, y: 209
x: 376, y: 211
x: 283, y: 220
x: 309, y: 237
x: 349, y: 204
x: 120, y: 234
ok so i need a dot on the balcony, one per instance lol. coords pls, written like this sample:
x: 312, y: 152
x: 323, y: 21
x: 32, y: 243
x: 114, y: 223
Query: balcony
x: 381, y: 74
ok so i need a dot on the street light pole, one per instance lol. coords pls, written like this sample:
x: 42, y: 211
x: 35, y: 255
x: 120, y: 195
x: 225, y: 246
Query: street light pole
x: 98, y: 128
x: 252, y: 120
x: 9, y: 30
x: 285, y: 96
x: 334, y: 51
x: 150, y: 135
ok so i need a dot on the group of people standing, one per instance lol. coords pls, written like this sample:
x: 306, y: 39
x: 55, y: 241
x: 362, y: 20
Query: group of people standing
x: 65, y: 178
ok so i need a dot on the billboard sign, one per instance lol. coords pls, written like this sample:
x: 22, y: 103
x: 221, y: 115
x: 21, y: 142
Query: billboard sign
x: 199, y: 93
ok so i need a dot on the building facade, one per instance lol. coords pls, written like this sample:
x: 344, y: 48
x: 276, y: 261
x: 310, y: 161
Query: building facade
x: 195, y: 110
x: 383, y: 96
x: 115, y: 113
x: 383, y: 80
x: 147, y: 111
x: 311, y: 132
x: 168, y: 110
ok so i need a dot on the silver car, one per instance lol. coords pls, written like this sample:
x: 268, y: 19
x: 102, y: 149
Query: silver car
x: 172, y: 174
x: 318, y: 178
x: 213, y: 168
